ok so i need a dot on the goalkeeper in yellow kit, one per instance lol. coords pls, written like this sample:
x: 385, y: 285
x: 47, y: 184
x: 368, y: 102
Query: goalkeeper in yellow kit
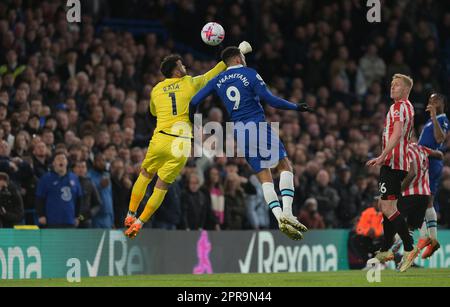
x: 170, y: 145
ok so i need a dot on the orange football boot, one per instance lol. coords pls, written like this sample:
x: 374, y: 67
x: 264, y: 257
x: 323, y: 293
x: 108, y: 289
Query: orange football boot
x: 431, y: 248
x: 129, y: 220
x: 133, y: 230
x: 423, y: 242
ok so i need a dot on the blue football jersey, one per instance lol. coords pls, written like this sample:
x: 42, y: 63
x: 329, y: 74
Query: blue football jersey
x: 60, y: 195
x: 427, y: 136
x: 240, y: 89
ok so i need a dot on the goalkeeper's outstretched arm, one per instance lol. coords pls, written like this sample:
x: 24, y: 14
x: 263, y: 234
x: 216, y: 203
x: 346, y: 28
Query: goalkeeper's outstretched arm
x: 198, y: 98
x: 201, y: 80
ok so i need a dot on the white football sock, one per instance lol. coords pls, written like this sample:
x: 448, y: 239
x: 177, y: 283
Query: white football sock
x: 287, y: 191
x: 431, y: 218
x: 272, y: 199
x: 423, y: 230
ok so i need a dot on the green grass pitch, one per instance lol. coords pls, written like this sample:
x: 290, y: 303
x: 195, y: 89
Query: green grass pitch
x: 411, y: 278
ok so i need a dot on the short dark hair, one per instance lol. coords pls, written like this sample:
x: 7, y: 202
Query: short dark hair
x: 59, y: 152
x: 77, y: 162
x: 229, y: 52
x: 46, y: 130
x: 168, y: 64
x: 112, y: 145
x: 443, y: 98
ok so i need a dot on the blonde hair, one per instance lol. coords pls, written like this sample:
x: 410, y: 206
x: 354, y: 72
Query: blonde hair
x: 407, y: 80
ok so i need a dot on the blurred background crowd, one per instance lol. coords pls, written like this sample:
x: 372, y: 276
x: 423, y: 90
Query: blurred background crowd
x: 82, y: 89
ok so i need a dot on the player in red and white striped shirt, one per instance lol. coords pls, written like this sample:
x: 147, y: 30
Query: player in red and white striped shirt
x: 417, y: 182
x: 416, y: 190
x: 395, y: 165
x: 401, y: 111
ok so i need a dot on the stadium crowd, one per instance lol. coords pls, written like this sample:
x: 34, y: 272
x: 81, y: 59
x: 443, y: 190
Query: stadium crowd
x: 74, y: 104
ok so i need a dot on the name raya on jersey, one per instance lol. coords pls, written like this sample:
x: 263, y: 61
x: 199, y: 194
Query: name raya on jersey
x: 418, y: 155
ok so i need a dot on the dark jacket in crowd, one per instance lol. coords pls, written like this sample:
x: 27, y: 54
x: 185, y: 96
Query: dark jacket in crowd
x: 90, y: 204
x: 121, y: 200
x: 11, y: 207
x: 349, y: 202
x: 235, y: 211
x: 40, y: 168
x: 328, y: 201
x: 170, y: 210
x: 23, y: 178
x: 196, y: 211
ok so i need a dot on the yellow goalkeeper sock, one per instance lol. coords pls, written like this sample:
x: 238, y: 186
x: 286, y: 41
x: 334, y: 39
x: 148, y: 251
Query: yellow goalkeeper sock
x: 138, y: 192
x: 153, y: 204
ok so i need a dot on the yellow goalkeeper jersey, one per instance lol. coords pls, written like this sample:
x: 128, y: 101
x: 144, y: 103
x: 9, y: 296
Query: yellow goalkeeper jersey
x: 169, y: 100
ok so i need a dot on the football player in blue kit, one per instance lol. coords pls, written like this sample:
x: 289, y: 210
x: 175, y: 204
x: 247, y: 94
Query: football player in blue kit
x: 433, y: 136
x: 240, y: 89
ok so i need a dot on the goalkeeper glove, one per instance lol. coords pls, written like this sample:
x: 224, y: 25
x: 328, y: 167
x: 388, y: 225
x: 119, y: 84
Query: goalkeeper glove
x: 245, y: 47
x: 303, y: 107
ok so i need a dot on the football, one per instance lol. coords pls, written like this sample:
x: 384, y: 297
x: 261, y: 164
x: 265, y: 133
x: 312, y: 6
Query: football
x: 213, y: 34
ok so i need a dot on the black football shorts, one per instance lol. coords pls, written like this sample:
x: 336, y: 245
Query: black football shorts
x: 413, y: 207
x: 390, y: 183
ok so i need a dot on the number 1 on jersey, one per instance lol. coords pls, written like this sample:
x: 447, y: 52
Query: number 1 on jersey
x: 174, y: 103
x: 234, y: 96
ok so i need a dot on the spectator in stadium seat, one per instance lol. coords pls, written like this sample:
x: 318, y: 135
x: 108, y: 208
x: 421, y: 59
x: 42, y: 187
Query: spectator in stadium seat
x: 169, y: 213
x: 257, y: 209
x: 34, y: 124
x: 102, y: 181
x: 53, y: 95
x: 214, y: 191
x: 349, y: 203
x: 372, y: 66
x: 195, y: 207
x: 7, y: 132
x: 397, y: 66
x: 3, y: 111
x: 316, y: 67
x: 48, y: 138
x: 327, y: 198
x: 144, y: 124
x: 121, y: 187
x: 71, y: 67
x: 21, y: 144
x: 12, y: 65
x: 310, y: 216
x: 8, y: 165
x: 11, y: 203
x: 59, y: 195
x: 91, y: 203
x: 235, y: 209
